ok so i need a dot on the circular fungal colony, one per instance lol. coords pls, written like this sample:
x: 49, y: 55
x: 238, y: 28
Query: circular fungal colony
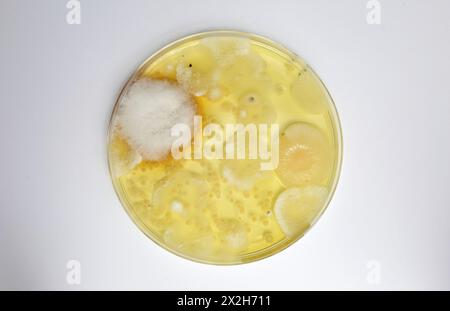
x: 216, y: 207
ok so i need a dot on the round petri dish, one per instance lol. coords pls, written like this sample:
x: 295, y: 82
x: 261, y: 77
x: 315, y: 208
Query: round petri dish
x: 224, y: 147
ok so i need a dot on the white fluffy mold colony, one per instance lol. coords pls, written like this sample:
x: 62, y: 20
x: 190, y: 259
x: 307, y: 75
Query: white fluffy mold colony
x: 147, y: 111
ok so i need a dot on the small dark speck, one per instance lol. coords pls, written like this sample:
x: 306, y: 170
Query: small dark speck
x: 190, y: 65
x: 303, y: 70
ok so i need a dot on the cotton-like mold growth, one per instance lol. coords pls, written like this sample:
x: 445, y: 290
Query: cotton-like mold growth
x: 147, y: 112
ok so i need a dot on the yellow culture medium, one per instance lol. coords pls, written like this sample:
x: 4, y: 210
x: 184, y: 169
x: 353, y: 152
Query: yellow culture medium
x: 228, y: 211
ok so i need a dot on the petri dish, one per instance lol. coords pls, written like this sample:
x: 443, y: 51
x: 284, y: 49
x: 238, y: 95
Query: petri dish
x: 224, y: 147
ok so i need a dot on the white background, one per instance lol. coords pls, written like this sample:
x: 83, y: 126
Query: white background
x: 390, y: 83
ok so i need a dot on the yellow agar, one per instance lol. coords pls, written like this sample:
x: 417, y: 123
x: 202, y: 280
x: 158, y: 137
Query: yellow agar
x: 221, y: 211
